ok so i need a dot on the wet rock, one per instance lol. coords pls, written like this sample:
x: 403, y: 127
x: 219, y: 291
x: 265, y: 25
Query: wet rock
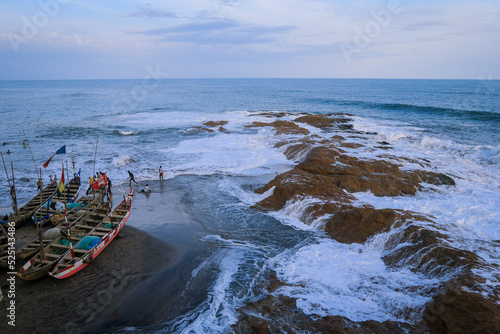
x: 213, y: 124
x: 271, y: 114
x: 436, y: 178
x: 459, y: 309
x: 356, y: 225
x: 425, y: 250
x: 319, y: 121
x: 200, y: 129
x: 282, y: 127
x: 299, y: 183
x: 279, y: 314
x: 329, y: 175
x: 345, y: 127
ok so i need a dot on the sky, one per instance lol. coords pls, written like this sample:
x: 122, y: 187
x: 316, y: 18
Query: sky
x: 125, y: 39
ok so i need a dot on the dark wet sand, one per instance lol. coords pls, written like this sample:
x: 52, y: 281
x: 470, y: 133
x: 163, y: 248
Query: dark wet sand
x: 136, y: 281
x: 94, y: 298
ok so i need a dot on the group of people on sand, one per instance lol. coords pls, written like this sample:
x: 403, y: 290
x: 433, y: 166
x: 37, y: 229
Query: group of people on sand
x: 100, y: 182
x: 147, y: 189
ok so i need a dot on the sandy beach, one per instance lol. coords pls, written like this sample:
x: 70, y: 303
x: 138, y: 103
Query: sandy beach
x: 95, y: 297
x: 135, y: 282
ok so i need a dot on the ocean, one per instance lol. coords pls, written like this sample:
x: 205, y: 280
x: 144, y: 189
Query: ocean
x: 139, y: 126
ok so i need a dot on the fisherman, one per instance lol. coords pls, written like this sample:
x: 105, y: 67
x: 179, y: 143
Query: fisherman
x: 131, y: 178
x: 109, y: 187
x: 40, y: 184
x: 91, y: 182
x: 146, y: 190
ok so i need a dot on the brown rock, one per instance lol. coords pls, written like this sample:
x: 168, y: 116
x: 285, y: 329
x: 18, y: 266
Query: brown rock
x: 327, y: 173
x: 279, y: 314
x: 201, y: 128
x: 455, y: 310
x: 297, y: 183
x: 427, y: 251
x: 352, y: 224
x: 213, y: 124
x: 319, y: 121
x: 282, y: 127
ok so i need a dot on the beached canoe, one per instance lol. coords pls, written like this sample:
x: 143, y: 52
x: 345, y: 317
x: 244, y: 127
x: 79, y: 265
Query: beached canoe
x: 41, y: 263
x: 94, y: 242
x: 87, y: 206
x: 26, y: 212
x: 55, y: 204
x: 3, y: 246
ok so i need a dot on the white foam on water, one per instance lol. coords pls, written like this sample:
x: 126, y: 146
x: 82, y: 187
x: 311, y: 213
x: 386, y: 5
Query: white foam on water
x: 218, y: 312
x: 122, y: 160
x: 294, y: 213
x: 469, y: 212
x: 234, y: 154
x: 128, y: 133
x: 245, y: 196
x: 329, y: 278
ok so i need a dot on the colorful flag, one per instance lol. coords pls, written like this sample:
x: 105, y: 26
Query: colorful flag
x: 62, y: 150
x: 101, y: 181
x: 60, y: 188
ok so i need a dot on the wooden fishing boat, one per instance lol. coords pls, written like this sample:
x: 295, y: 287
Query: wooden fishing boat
x: 55, y: 203
x: 40, y: 264
x: 25, y: 213
x: 3, y: 247
x: 94, y: 242
x: 87, y: 206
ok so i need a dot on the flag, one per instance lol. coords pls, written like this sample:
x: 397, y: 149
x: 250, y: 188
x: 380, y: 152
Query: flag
x: 62, y: 150
x: 60, y: 187
x: 101, y: 181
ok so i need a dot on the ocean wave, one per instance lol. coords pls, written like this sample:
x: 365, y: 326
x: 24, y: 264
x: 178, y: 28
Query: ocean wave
x: 475, y: 114
x: 127, y: 133
x: 122, y: 160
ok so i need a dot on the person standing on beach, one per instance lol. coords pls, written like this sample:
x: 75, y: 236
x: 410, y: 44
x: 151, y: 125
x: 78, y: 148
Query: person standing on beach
x: 161, y: 173
x: 110, y: 194
x: 91, y: 182
x: 131, y: 178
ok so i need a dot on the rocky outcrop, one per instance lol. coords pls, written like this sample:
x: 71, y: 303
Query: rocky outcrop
x: 330, y: 175
x: 282, y: 127
x: 279, y: 314
x: 213, y: 124
x: 461, y: 307
x: 464, y: 303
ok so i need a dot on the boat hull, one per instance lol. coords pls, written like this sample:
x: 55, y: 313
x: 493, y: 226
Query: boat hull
x: 82, y: 262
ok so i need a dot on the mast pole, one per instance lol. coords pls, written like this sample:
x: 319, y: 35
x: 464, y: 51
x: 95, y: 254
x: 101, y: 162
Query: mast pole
x: 69, y: 233
x: 14, y: 195
x: 12, y: 189
x: 32, y: 157
x: 5, y: 167
x: 95, y: 155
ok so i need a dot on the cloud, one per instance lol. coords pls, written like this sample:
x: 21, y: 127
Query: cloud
x: 217, y: 33
x: 149, y: 11
x: 187, y: 28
